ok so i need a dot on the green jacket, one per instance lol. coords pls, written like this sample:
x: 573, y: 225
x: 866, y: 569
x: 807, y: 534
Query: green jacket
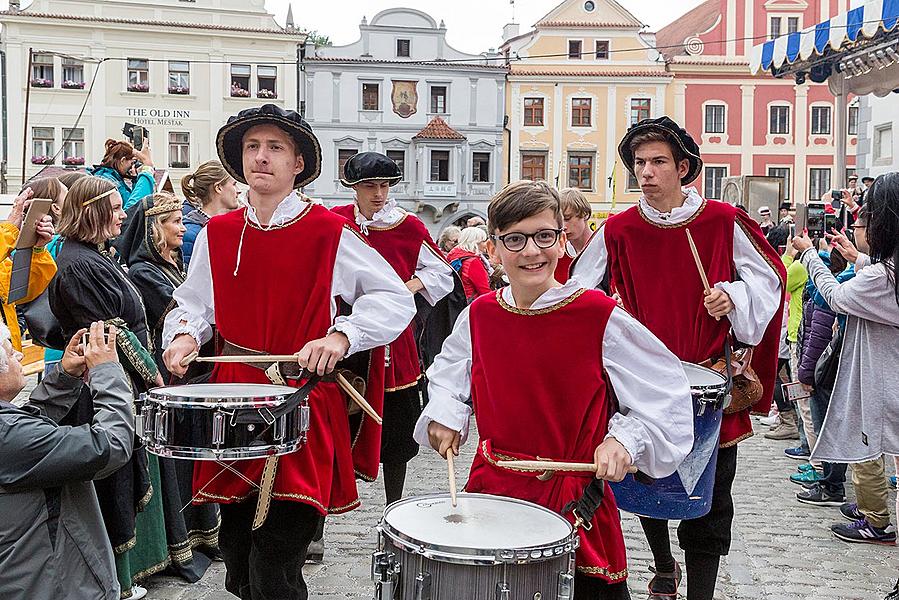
x: 797, y: 276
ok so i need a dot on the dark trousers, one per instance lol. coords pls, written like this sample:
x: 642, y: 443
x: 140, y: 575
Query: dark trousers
x: 783, y: 376
x: 834, y: 473
x: 594, y: 588
x: 267, y: 564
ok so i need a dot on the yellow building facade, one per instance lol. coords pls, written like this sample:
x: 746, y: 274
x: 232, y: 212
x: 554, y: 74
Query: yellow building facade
x: 576, y: 82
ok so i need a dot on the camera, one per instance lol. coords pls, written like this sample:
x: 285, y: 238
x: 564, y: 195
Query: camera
x: 87, y: 336
x: 136, y: 134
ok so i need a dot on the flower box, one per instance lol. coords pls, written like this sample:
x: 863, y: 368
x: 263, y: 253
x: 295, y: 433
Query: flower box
x: 42, y: 83
x: 139, y: 87
x: 73, y: 161
x: 179, y: 165
x: 264, y: 93
x: 177, y: 89
x: 42, y: 160
x: 239, y: 92
x: 72, y: 85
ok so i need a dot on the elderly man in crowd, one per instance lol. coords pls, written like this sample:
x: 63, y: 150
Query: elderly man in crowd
x: 52, y: 540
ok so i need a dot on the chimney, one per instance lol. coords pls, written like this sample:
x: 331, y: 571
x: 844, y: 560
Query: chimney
x: 14, y: 6
x: 510, y: 30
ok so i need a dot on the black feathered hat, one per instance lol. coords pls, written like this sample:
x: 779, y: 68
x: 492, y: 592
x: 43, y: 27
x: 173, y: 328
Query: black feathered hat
x: 675, y: 133
x: 370, y: 166
x: 229, y: 140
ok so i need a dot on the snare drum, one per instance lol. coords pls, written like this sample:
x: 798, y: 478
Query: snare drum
x: 221, y: 421
x: 487, y: 548
x: 686, y: 494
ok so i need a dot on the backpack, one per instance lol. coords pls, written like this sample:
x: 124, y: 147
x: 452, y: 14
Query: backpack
x: 457, y: 263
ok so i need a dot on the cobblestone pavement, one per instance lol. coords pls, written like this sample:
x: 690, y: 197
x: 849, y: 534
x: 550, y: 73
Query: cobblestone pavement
x: 782, y: 550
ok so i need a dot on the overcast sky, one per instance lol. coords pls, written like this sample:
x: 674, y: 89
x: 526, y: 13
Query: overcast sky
x: 472, y: 25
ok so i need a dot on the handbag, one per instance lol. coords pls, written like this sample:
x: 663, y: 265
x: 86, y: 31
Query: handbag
x: 828, y: 364
x: 42, y: 324
x: 745, y: 387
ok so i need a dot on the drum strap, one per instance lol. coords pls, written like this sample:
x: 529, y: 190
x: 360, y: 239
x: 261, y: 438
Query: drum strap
x: 584, y: 508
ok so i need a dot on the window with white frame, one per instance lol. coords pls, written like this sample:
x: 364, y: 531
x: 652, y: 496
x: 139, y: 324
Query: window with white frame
x: 73, y: 146
x: 72, y: 74
x: 783, y: 173
x: 714, y: 118
x: 632, y: 185
x: 42, y: 147
x: 580, y: 170
x: 266, y: 81
x: 438, y: 99
x: 792, y: 24
x: 440, y: 160
x: 533, y: 112
x: 581, y: 109
x: 480, y: 166
x: 533, y: 166
x: 779, y: 121
x: 714, y: 176
x: 179, y: 77
x: 818, y: 183
x: 820, y: 120
x: 602, y: 49
x: 641, y: 109
x: 883, y: 142
x: 774, y: 27
x: 575, y: 49
x: 42, y: 70
x: 179, y: 150
x: 404, y: 48
x: 852, y: 121
x: 371, y: 96
x: 138, y: 75
x: 399, y: 157
x: 240, y: 81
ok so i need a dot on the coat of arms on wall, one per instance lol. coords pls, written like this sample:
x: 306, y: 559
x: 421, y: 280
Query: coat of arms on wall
x: 405, y: 98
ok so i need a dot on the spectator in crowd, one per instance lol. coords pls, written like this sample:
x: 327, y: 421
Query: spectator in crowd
x: 476, y: 221
x: 864, y: 424
x: 209, y: 191
x: 466, y: 260
x: 778, y: 238
x: 449, y: 238
x: 51, y: 530
x: 91, y: 286
x: 765, y: 221
x: 150, y: 246
x: 784, y: 215
x: 42, y: 266
x: 866, y: 185
x: 119, y: 160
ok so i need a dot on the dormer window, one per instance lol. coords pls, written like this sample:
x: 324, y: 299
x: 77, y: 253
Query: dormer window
x: 575, y: 49
x: 404, y: 48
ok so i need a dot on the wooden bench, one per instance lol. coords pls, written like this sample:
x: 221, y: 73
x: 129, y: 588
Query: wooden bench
x: 33, y: 361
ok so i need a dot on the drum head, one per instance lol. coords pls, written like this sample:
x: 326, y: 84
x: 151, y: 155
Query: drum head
x: 479, y: 522
x: 237, y: 395
x: 702, y: 377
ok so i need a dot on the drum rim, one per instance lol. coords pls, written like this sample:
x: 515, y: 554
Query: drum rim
x: 193, y: 453
x: 722, y: 384
x: 156, y: 396
x: 479, y: 556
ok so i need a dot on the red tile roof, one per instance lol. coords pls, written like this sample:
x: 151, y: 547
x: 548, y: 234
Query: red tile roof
x: 92, y: 19
x: 438, y: 129
x: 670, y: 39
x: 591, y: 24
x: 572, y: 73
x: 496, y: 62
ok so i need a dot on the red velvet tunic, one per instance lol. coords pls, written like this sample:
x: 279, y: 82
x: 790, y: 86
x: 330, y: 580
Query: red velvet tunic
x: 563, y: 267
x: 652, y: 269
x: 399, y: 244
x: 527, y: 407
x: 278, y: 301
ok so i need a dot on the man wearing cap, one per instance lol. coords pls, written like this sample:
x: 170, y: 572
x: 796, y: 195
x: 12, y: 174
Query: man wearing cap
x: 403, y: 240
x: 765, y: 222
x: 267, y: 276
x: 645, y: 254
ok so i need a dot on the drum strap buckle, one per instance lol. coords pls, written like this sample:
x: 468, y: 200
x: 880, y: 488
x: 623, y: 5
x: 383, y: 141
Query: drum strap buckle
x: 580, y: 522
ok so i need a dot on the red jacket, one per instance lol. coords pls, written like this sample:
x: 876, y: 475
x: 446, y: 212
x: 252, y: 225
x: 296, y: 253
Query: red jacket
x: 473, y: 273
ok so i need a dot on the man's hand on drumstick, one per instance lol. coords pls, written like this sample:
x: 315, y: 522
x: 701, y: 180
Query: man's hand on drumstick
x: 181, y: 347
x: 718, y: 303
x: 612, y: 460
x: 321, y: 355
x: 443, y: 438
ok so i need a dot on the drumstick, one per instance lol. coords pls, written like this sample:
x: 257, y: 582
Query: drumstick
x: 705, y: 279
x: 451, y: 468
x: 549, y: 465
x: 356, y: 397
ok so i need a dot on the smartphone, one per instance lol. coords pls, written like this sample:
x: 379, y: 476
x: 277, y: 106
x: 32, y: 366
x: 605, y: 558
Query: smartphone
x: 37, y: 209
x: 815, y: 220
x: 137, y: 137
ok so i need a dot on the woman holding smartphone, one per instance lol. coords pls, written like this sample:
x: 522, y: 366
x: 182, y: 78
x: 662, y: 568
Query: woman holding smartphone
x: 117, y: 167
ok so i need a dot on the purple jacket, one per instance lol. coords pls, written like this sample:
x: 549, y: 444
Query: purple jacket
x: 817, y: 327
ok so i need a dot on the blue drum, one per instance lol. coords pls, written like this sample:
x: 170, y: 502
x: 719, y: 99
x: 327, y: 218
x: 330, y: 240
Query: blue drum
x: 686, y: 494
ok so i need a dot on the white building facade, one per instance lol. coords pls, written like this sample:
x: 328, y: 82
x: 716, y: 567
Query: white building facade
x: 179, y: 69
x: 403, y: 91
x: 878, y: 125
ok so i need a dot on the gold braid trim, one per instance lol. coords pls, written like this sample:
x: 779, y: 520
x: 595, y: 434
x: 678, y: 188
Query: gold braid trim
x: 145, y: 500
x: 672, y: 225
x: 745, y: 436
x: 537, y: 311
x: 151, y: 570
x: 283, y: 496
x: 283, y: 225
x: 389, y: 227
x: 614, y: 577
x: 123, y: 548
x: 355, y: 232
x: 403, y: 387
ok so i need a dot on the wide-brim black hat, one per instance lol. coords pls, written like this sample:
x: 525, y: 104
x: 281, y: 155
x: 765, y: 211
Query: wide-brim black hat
x: 229, y: 140
x: 370, y: 166
x: 675, y: 133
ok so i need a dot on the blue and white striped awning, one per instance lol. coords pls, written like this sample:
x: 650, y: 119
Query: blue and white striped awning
x: 866, y: 20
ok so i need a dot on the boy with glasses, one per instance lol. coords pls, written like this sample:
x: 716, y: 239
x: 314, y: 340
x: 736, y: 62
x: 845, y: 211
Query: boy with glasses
x: 537, y: 359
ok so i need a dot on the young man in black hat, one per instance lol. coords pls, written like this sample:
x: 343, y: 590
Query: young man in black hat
x: 404, y: 241
x: 267, y: 276
x: 645, y: 256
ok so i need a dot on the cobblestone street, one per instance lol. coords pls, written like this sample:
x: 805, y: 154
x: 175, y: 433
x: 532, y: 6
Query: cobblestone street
x: 782, y: 550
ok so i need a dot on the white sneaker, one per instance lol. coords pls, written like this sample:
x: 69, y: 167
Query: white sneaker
x: 137, y: 592
x: 770, y: 421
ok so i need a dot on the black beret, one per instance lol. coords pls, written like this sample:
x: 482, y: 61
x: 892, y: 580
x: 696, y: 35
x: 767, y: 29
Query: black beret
x: 673, y: 132
x: 370, y: 166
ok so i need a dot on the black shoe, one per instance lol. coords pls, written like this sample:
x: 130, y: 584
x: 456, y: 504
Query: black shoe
x: 316, y: 552
x: 664, y: 585
x: 818, y: 496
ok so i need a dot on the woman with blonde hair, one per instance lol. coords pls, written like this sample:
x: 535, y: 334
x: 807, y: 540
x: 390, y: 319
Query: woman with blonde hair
x: 466, y: 260
x: 209, y: 191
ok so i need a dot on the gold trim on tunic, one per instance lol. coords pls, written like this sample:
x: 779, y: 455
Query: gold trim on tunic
x: 537, y: 311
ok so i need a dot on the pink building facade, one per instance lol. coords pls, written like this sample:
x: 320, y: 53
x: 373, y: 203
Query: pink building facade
x: 754, y: 125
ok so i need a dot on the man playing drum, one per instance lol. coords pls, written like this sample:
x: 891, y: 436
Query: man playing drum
x: 645, y: 254
x: 267, y: 277
x: 537, y: 358
x: 404, y: 241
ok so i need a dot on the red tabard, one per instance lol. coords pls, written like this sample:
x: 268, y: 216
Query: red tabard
x: 652, y: 269
x: 529, y: 405
x: 278, y: 301
x: 399, y: 244
x: 562, y: 268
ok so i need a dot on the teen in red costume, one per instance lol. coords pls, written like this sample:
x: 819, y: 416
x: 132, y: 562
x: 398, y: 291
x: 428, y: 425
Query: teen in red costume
x: 576, y: 212
x: 267, y: 276
x: 645, y: 254
x: 403, y: 240
x: 532, y: 358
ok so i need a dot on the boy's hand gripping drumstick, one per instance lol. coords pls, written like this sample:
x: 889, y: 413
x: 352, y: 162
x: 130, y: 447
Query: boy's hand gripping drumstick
x: 705, y: 279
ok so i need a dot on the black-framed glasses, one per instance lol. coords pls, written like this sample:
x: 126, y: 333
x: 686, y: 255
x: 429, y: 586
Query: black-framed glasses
x: 516, y: 241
